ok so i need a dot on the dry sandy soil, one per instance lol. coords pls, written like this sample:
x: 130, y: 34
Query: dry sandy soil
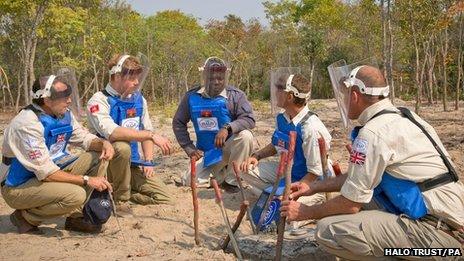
x: 166, y: 232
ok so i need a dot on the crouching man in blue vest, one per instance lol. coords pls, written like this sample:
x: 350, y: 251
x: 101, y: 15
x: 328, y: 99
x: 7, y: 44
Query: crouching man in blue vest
x: 398, y: 162
x: 119, y: 113
x: 292, y: 92
x: 39, y: 178
x: 222, y: 117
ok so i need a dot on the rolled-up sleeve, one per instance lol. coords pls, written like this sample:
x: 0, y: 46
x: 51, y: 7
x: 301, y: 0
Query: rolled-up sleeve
x: 242, y: 112
x: 311, y: 148
x: 80, y: 136
x: 98, y: 115
x: 368, y: 161
x: 147, y: 125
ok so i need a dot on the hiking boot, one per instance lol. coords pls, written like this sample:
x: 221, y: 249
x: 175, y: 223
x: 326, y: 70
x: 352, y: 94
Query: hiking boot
x: 22, y: 225
x: 123, y: 209
x: 80, y: 225
x: 229, y: 188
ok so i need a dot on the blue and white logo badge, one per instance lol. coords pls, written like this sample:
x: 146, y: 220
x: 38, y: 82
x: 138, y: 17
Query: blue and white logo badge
x: 360, y: 145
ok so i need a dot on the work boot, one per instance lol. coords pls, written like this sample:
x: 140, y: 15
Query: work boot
x: 229, y: 188
x: 80, y: 225
x: 22, y: 225
x: 123, y: 209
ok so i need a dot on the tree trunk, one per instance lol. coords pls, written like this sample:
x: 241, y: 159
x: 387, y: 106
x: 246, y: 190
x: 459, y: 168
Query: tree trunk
x: 390, y: 54
x: 460, y: 54
x: 445, y: 72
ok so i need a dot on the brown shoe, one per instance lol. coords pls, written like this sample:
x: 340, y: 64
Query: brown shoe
x: 123, y: 209
x: 80, y: 225
x: 22, y: 225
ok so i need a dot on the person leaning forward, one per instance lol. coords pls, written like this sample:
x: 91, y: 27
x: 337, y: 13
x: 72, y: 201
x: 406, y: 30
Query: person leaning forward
x: 40, y: 179
x: 392, y: 164
x: 119, y: 113
x: 222, y: 117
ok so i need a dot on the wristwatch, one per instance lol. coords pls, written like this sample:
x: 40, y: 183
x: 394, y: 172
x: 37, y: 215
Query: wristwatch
x: 86, y: 180
x: 227, y: 127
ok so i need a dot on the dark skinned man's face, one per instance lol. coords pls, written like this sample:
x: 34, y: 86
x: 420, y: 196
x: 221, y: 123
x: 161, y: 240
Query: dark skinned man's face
x: 216, y: 83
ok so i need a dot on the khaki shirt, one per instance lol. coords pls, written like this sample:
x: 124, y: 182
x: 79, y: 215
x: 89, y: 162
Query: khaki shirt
x: 393, y: 144
x: 310, y: 131
x: 98, y: 114
x: 24, y: 140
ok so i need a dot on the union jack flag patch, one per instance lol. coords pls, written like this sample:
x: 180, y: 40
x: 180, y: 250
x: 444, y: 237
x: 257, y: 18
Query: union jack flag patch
x: 34, y: 154
x: 61, y: 138
x: 357, y: 157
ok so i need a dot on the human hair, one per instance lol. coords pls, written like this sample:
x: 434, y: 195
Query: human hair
x: 131, y: 66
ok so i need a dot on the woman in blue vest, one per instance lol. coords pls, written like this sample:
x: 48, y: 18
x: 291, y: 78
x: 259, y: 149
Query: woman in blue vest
x: 119, y: 113
x: 39, y: 177
x: 222, y: 118
x: 292, y: 92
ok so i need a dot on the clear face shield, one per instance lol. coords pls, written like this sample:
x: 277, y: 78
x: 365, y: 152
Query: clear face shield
x: 61, y: 85
x: 215, y: 76
x: 129, y: 74
x: 343, y: 79
x: 280, y: 82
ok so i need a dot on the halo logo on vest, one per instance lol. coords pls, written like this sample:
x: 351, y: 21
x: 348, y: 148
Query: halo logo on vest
x: 208, y: 124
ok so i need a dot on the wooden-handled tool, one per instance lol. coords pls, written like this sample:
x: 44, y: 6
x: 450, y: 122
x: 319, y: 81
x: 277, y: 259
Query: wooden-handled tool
x: 280, y: 172
x: 226, y: 219
x: 242, y: 192
x: 288, y: 181
x: 243, y: 209
x: 193, y: 186
x: 324, y: 162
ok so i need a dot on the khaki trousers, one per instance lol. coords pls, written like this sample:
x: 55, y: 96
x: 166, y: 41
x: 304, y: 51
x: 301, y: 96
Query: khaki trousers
x: 40, y: 201
x: 124, y: 179
x: 364, y: 235
x: 237, y: 148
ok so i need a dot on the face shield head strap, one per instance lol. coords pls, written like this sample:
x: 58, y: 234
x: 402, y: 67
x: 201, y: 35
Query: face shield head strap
x: 216, y: 66
x: 289, y: 88
x: 118, y: 67
x: 372, y: 91
x: 45, y: 92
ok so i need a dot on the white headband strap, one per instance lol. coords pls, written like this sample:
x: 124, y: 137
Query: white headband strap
x: 373, y: 91
x: 118, y: 67
x: 296, y: 93
x: 45, y: 92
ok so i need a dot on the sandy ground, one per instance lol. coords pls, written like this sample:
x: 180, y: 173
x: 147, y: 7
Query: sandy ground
x: 166, y: 232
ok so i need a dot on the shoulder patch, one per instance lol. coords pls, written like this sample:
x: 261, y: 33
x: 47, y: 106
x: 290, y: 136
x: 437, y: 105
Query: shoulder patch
x: 360, y: 145
x: 94, y: 108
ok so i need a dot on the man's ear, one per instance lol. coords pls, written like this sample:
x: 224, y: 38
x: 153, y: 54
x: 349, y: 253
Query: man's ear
x: 47, y: 102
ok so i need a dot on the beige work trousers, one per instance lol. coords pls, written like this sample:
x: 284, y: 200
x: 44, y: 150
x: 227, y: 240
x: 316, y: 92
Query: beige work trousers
x: 124, y: 179
x: 237, y: 148
x: 364, y: 235
x: 39, y: 201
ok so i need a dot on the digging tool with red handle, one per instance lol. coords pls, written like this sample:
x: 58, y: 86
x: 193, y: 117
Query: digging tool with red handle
x: 288, y: 181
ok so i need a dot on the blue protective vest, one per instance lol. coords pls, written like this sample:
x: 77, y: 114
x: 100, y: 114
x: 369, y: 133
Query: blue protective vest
x: 128, y: 113
x: 57, y: 133
x: 208, y: 116
x: 281, y: 139
x: 397, y: 196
